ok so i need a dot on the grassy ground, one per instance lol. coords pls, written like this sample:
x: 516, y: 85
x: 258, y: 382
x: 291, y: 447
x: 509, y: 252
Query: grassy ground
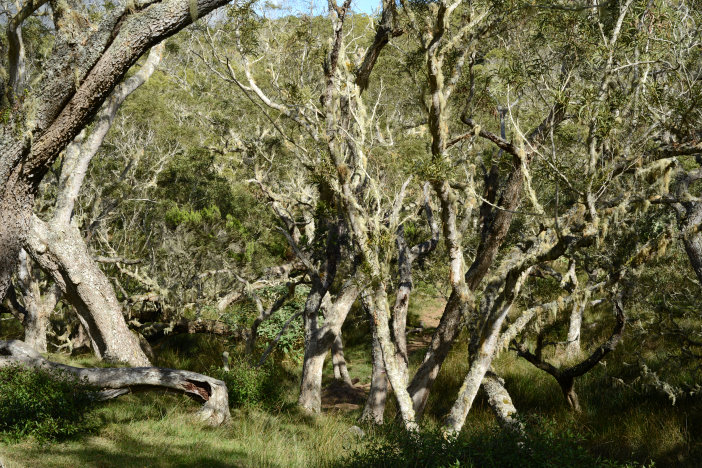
x: 160, y: 430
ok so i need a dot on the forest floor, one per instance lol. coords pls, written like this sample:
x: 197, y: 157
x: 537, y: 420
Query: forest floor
x: 160, y: 429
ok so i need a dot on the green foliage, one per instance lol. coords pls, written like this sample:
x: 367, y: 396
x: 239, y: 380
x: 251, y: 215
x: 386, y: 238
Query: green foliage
x: 192, y: 180
x: 543, y: 446
x: 48, y: 405
x: 249, y: 385
x: 292, y: 340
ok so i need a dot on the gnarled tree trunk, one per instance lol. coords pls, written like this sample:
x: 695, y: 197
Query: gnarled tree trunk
x: 62, y: 253
x: 80, y: 72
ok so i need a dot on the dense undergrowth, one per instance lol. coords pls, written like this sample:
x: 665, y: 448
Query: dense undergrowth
x: 44, y: 404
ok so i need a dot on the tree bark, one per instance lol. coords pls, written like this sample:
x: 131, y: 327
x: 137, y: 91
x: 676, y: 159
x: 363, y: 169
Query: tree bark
x: 452, y: 320
x: 37, y: 306
x: 16, y: 203
x: 380, y: 312
x: 576, y: 320
x: 493, y: 235
x: 36, y: 325
x: 311, y: 381
x: 114, y: 382
x: 481, y: 358
x: 62, y: 253
x: 501, y: 403
x: 310, y: 397
x: 374, y: 409
x: 59, y: 248
x: 321, y: 339
x: 341, y: 372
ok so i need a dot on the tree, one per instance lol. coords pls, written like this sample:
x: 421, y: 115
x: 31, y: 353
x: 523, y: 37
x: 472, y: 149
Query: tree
x: 86, y: 62
x: 58, y: 245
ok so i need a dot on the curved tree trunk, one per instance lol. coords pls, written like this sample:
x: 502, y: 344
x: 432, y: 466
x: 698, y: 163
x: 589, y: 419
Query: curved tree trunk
x: 61, y: 251
x: 63, y: 254
x: 119, y: 381
x: 86, y: 63
x: 482, y: 356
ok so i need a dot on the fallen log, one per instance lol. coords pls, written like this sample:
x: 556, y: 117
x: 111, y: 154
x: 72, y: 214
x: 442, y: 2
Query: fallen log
x: 114, y: 382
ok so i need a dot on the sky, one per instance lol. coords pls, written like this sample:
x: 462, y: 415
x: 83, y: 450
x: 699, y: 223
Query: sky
x: 320, y: 6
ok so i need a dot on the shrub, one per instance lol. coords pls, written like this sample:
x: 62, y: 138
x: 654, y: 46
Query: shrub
x: 46, y: 404
x: 249, y: 386
x: 542, y: 447
x: 291, y: 342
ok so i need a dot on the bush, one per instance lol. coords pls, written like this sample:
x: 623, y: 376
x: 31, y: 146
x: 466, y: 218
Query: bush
x: 250, y: 386
x: 542, y: 447
x: 45, y: 404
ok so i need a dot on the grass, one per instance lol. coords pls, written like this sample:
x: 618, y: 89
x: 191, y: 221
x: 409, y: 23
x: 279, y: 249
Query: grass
x: 161, y: 431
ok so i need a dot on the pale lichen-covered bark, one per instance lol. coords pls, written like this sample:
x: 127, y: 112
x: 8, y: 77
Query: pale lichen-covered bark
x: 374, y: 408
x: 482, y: 358
x: 380, y: 315
x: 61, y: 252
x: 572, y: 348
x: 38, y: 304
x: 501, y: 403
x: 319, y: 342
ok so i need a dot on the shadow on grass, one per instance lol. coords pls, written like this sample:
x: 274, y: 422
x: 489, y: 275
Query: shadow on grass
x: 126, y: 451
